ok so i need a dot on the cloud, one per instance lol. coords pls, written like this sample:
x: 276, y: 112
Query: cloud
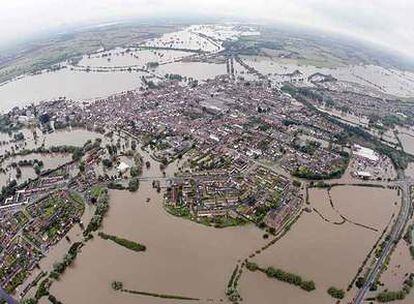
x: 386, y: 22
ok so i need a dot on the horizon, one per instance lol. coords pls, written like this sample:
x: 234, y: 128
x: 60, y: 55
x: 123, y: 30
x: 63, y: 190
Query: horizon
x: 375, y: 22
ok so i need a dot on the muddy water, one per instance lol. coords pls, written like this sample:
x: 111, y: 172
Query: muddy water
x: 74, y: 137
x: 71, y: 84
x: 389, y: 81
x: 139, y: 58
x: 196, y: 70
x: 407, y: 141
x: 326, y: 253
x: 181, y: 258
x: 400, y: 265
x: 71, y: 137
x: 365, y: 205
x: 57, y: 252
x: 319, y: 200
x: 50, y: 161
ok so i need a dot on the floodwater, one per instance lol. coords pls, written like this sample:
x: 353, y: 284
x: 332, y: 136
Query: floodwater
x: 182, y: 257
x: 71, y: 137
x: 389, y: 81
x: 406, y: 137
x: 369, y: 206
x: 73, y: 82
x: 75, y: 85
x: 346, y: 117
x: 120, y: 58
x: 327, y: 253
x: 195, y: 70
x: 74, y: 137
x: 50, y: 161
x: 184, y: 39
x: 400, y: 266
x: 189, y: 259
x: 57, y: 252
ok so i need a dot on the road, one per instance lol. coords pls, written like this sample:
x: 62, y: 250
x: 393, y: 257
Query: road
x: 5, y: 296
x: 396, y: 232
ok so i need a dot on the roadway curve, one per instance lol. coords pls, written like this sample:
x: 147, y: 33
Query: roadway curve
x: 395, y: 234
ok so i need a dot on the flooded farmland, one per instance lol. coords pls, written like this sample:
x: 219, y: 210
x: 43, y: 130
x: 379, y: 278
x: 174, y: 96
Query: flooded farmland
x: 182, y: 257
x: 76, y: 85
x: 406, y: 137
x: 196, y: 70
x: 189, y: 259
x: 123, y: 58
x: 107, y: 72
x: 71, y: 137
x: 50, y: 161
x: 328, y: 252
x: 399, y: 267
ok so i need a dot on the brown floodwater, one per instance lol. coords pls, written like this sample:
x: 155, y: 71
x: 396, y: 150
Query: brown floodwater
x: 189, y: 259
x: 57, y: 252
x: 69, y: 136
x: 74, y: 85
x: 182, y: 257
x: 365, y: 205
x: 50, y: 161
x: 406, y: 137
x: 318, y: 250
x: 401, y: 265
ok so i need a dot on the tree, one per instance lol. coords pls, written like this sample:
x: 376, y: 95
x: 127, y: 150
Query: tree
x: 82, y: 166
x: 117, y: 285
x: 107, y: 163
x: 336, y: 293
x: 251, y: 266
x: 135, y: 171
x: 77, y: 154
x: 37, y: 169
x: 133, y: 184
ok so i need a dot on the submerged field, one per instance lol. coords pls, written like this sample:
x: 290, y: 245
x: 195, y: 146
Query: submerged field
x: 182, y: 257
x: 319, y: 250
x: 190, y: 260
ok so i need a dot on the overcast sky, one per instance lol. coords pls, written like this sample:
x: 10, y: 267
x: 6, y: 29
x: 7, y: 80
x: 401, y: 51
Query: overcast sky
x: 386, y: 22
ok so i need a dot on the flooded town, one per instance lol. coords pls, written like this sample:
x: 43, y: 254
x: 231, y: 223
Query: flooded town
x: 207, y: 163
